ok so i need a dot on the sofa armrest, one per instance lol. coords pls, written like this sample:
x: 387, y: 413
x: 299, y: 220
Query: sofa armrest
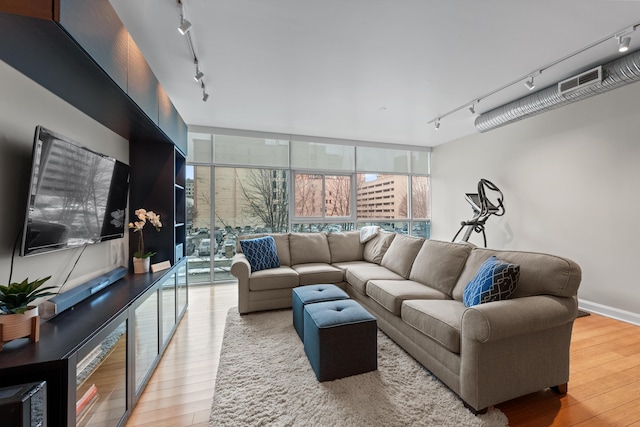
x: 240, y: 267
x: 503, y: 319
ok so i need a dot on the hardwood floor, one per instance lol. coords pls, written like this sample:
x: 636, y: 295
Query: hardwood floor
x: 181, y: 389
x: 604, y: 382
x: 604, y: 388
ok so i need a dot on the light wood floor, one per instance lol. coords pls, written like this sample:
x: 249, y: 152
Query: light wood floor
x: 604, y: 388
x: 181, y: 389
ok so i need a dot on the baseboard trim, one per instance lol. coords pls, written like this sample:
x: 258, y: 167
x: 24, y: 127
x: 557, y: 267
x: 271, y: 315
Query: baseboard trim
x: 614, y: 313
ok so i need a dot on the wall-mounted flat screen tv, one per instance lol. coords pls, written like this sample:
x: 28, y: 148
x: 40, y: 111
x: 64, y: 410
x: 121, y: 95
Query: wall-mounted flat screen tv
x: 76, y: 196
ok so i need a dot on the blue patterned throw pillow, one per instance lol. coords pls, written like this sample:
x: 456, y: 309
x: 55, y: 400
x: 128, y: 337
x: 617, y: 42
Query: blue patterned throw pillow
x: 261, y: 253
x: 495, y: 281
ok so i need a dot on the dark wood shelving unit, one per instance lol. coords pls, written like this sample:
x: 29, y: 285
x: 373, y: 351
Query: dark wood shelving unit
x: 68, y: 337
x: 80, y: 51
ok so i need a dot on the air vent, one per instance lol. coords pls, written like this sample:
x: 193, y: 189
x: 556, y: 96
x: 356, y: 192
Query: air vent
x: 588, y: 78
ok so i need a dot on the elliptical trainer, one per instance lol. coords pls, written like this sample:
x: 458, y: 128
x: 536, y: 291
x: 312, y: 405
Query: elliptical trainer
x: 482, y: 210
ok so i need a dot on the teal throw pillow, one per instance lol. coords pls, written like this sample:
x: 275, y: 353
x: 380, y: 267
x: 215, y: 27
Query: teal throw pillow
x: 261, y: 253
x: 495, y: 281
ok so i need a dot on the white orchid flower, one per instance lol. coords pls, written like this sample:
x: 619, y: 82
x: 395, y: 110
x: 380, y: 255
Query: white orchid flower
x: 141, y: 214
x: 154, y: 219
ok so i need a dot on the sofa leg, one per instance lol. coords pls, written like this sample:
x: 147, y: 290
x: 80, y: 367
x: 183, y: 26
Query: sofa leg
x: 561, y: 389
x: 473, y: 410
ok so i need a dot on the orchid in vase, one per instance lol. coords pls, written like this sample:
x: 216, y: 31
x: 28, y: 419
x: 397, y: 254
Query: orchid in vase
x: 143, y: 216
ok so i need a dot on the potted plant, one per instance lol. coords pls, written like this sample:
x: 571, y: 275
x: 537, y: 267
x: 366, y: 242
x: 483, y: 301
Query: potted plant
x: 141, y: 259
x: 17, y: 318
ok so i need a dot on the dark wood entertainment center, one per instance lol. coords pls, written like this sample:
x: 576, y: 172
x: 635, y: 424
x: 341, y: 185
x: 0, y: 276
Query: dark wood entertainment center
x: 98, y: 356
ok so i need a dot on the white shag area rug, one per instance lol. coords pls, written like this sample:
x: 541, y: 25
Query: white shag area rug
x: 265, y: 379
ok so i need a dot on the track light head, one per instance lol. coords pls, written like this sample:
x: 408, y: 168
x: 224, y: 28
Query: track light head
x: 623, y: 44
x: 530, y: 84
x: 205, y: 95
x: 624, y: 38
x: 437, y: 124
x: 184, y: 27
x: 199, y: 75
x: 472, y: 109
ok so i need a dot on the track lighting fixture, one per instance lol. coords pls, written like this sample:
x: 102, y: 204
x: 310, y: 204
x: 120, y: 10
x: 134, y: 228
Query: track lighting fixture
x: 199, y: 74
x: 205, y: 95
x: 623, y: 44
x: 184, y: 29
x: 185, y: 26
x: 624, y: 38
x: 530, y: 84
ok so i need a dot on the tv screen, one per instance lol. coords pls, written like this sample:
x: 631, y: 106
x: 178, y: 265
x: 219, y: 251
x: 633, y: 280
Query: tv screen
x: 76, y: 196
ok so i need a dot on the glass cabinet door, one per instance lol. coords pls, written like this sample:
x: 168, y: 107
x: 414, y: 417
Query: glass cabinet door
x: 101, y: 380
x: 182, y: 288
x: 146, y: 338
x: 168, y: 289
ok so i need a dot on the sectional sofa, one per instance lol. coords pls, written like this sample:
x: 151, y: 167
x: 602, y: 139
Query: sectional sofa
x: 486, y: 353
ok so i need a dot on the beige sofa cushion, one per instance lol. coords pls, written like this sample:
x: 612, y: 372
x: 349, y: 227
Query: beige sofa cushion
x: 375, y: 248
x: 349, y: 264
x: 439, y: 320
x: 308, y: 248
x: 390, y: 294
x: 540, y: 274
x: 401, y: 253
x: 315, y: 273
x: 345, y: 246
x: 439, y: 264
x: 273, y: 278
x: 282, y: 245
x: 358, y: 276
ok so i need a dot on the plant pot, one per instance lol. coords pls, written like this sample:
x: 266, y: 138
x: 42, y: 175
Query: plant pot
x: 14, y: 326
x: 141, y: 265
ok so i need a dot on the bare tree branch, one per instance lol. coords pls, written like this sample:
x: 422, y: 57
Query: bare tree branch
x: 266, y: 198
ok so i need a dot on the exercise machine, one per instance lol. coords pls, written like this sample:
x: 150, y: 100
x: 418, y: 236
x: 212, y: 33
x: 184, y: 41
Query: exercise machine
x: 483, y: 208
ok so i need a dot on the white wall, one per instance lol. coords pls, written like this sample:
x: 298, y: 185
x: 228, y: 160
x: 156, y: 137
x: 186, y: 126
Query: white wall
x: 23, y: 105
x: 571, y: 180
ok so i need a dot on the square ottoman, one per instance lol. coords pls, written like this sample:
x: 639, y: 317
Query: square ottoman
x: 340, y: 339
x: 309, y: 294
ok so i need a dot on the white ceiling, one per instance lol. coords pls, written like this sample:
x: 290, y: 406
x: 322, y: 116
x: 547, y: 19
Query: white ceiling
x: 372, y: 70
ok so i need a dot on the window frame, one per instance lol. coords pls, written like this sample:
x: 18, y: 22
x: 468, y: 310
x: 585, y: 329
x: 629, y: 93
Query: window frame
x: 294, y: 218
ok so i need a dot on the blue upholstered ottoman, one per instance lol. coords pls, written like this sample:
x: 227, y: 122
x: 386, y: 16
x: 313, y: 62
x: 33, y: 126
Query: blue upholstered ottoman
x: 304, y: 295
x: 340, y: 339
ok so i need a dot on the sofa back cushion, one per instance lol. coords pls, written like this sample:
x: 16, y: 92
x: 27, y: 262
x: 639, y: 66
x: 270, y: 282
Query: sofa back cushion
x: 309, y: 247
x: 401, y: 253
x: 345, y: 246
x: 282, y: 245
x: 375, y: 248
x: 540, y: 274
x: 439, y: 264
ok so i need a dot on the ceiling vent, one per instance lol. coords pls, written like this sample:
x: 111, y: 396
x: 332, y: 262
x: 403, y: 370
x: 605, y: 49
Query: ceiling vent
x: 588, y: 78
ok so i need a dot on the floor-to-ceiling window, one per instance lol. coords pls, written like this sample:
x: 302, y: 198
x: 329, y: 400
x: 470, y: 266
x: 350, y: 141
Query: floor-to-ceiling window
x: 242, y: 183
x: 200, y: 245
